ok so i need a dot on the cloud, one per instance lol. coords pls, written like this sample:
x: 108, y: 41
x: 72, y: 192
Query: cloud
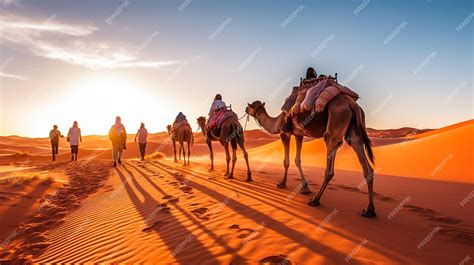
x: 70, y: 43
x: 2, y: 75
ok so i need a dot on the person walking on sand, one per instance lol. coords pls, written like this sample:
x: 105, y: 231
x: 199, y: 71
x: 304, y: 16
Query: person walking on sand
x: 54, y: 136
x: 73, y: 137
x: 142, y: 134
x: 118, y: 137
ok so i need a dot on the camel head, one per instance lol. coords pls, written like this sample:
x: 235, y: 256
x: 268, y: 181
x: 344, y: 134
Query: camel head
x: 201, y: 121
x: 254, y: 107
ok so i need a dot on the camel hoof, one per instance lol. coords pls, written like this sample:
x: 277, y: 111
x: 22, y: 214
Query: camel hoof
x: 304, y: 189
x: 314, y: 203
x: 211, y: 170
x: 281, y: 185
x: 229, y: 177
x: 369, y: 213
x: 249, y: 179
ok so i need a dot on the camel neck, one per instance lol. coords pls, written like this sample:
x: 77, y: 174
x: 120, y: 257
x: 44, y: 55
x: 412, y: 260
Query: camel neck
x: 203, y: 130
x: 270, y: 124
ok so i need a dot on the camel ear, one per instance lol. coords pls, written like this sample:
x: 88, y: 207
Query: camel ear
x: 248, y: 104
x: 263, y: 104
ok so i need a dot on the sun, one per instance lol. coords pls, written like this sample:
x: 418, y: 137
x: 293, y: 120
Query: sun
x: 95, y: 101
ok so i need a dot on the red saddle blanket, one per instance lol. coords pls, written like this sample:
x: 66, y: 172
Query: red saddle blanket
x: 219, y: 117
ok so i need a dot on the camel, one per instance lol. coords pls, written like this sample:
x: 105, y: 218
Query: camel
x: 230, y: 132
x: 183, y: 134
x: 342, y: 119
x: 173, y: 139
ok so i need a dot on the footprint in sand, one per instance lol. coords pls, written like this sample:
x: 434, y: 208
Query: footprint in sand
x: 174, y: 200
x: 246, y: 232
x: 275, y: 260
x: 234, y: 226
x: 154, y: 226
x: 165, y: 209
x: 460, y: 234
x: 200, y: 213
x: 167, y: 197
x: 202, y: 210
x: 186, y: 189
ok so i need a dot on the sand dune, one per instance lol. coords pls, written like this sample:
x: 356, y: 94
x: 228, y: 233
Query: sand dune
x: 444, y: 154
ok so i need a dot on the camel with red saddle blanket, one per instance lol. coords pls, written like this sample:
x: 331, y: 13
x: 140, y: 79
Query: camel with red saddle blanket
x: 226, y: 130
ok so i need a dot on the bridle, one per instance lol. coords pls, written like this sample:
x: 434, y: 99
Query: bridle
x: 259, y: 107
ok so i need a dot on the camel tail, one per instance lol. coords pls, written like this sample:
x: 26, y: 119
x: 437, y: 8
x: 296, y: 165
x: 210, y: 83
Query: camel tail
x: 238, y: 132
x: 360, y: 121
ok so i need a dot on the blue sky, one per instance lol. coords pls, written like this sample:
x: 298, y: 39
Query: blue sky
x: 411, y: 61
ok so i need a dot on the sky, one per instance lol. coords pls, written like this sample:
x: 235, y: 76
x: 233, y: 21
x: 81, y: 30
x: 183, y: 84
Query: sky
x: 411, y: 61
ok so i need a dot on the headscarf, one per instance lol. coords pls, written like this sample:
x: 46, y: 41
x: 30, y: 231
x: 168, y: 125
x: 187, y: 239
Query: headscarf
x: 118, y: 124
x: 142, y: 125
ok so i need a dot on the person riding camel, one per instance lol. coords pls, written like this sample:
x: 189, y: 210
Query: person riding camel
x: 310, y: 75
x: 180, y: 120
x: 217, y: 109
x: 217, y: 105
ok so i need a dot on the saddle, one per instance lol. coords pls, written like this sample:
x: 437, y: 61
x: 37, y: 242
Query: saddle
x: 178, y: 125
x: 315, y: 94
x: 218, y: 118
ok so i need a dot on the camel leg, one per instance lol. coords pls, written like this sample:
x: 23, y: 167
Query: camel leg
x: 189, y: 151
x: 234, y: 158
x: 338, y: 123
x: 227, y: 156
x: 174, y: 151
x: 304, y: 184
x: 246, y: 156
x: 358, y: 147
x: 285, y: 139
x: 181, y: 148
x: 209, y: 144
x: 332, y: 147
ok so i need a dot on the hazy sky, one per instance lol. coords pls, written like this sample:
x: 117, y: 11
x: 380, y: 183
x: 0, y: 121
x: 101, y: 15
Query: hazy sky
x: 411, y: 61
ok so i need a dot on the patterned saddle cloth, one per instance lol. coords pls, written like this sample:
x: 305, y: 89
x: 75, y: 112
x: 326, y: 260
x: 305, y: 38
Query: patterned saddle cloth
x: 218, y: 118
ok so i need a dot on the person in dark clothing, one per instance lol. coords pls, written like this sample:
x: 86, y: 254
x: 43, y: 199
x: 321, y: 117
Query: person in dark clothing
x: 179, y: 118
x: 142, y: 134
x: 287, y: 126
x: 54, y: 136
x: 179, y: 121
x: 311, y: 73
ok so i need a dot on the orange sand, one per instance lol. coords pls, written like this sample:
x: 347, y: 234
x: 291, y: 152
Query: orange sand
x: 161, y: 212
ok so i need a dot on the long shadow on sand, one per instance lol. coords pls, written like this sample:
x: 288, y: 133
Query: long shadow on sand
x: 19, y: 210
x: 228, y: 248
x: 226, y: 184
x: 270, y: 223
x: 141, y: 207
